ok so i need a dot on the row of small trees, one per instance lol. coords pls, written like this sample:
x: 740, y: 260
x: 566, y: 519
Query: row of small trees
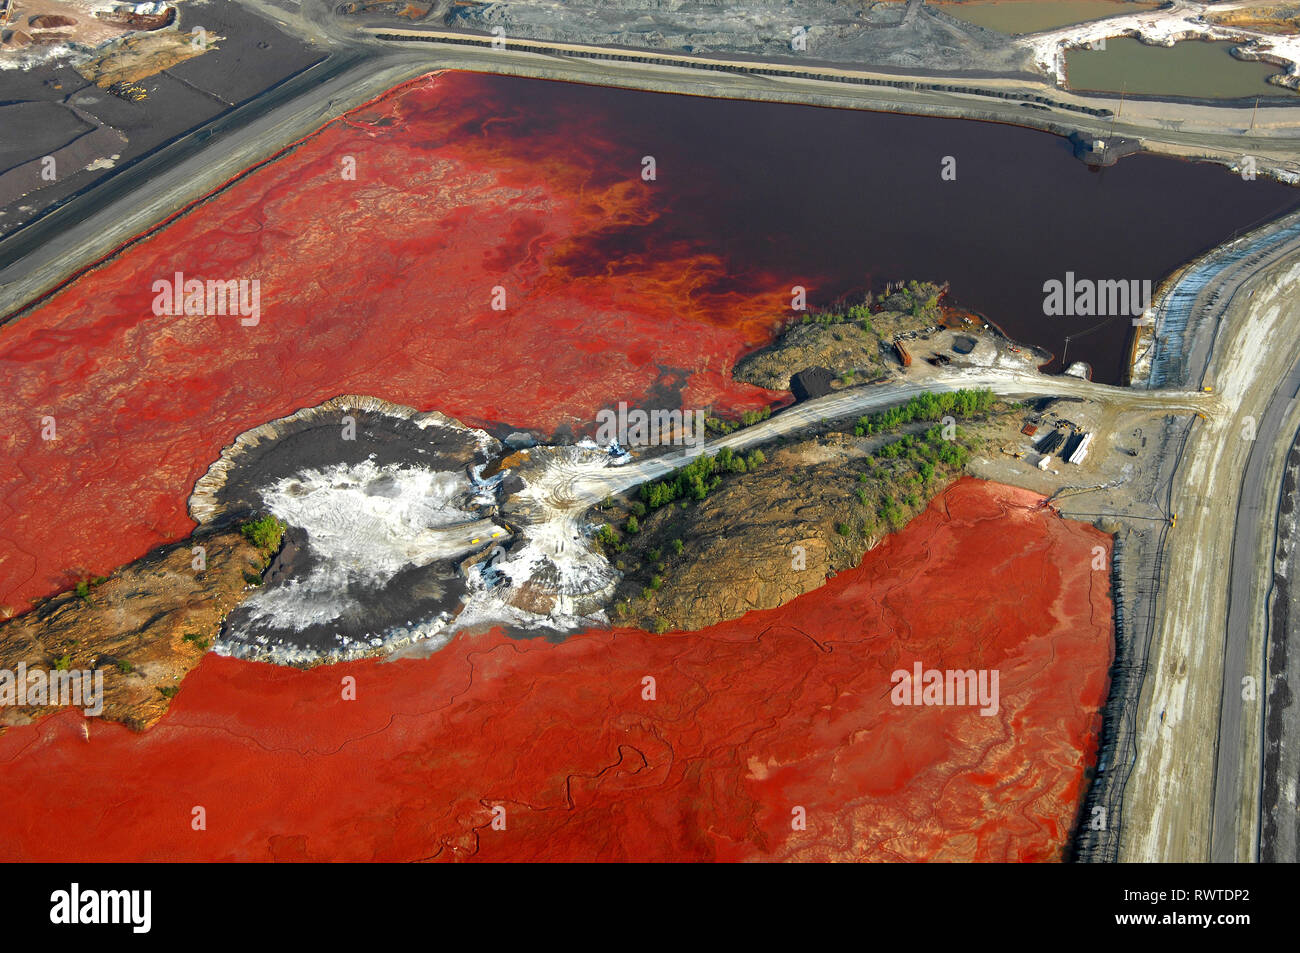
x: 859, y: 314
x: 692, y: 482
x: 747, y: 419
x: 697, y: 478
x: 927, y: 406
x: 899, y: 476
x: 920, y: 299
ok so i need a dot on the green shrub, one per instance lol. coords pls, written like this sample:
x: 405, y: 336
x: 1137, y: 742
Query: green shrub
x: 265, y: 533
x: 927, y: 406
x: 697, y: 478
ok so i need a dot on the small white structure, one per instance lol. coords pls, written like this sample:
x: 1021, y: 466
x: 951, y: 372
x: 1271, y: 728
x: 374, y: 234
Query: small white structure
x: 1044, y: 463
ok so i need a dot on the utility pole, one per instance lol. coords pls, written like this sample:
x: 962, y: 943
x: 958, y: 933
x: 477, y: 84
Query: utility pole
x: 1114, y: 119
x: 1253, y: 113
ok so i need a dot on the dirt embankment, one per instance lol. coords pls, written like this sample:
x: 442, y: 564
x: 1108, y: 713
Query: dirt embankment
x: 843, y: 348
x: 854, y: 342
x: 781, y: 528
x: 144, y: 627
x: 1279, y: 18
x: 142, y: 55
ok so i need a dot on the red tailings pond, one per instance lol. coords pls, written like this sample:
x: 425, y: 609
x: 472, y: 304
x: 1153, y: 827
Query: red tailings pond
x: 471, y: 187
x: 754, y: 725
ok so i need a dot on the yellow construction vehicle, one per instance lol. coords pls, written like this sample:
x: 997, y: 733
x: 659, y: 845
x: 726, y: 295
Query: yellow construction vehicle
x: 1173, y: 520
x: 1207, y: 388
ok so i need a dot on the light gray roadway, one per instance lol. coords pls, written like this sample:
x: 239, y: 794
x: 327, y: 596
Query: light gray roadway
x: 1239, y: 748
x: 1199, y: 129
x: 1193, y: 790
x: 855, y: 401
x: 1214, y: 318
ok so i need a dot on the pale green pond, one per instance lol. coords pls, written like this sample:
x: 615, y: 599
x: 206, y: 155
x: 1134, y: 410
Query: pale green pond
x: 1192, y: 68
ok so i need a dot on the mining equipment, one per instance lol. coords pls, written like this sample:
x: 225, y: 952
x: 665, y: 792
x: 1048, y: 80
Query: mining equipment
x: 131, y: 92
x: 1051, y: 441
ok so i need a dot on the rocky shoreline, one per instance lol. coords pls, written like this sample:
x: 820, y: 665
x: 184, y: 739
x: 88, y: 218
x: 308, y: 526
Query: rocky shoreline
x: 143, y: 628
